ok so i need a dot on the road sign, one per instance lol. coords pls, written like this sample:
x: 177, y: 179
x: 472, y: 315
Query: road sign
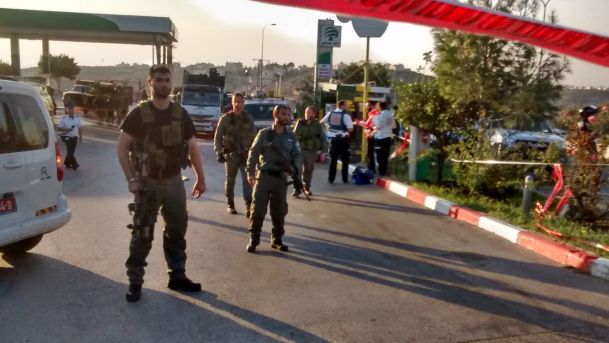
x: 324, y: 71
x: 330, y: 36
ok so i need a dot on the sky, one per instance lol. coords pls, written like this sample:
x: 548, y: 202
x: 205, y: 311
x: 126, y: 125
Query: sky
x: 220, y: 31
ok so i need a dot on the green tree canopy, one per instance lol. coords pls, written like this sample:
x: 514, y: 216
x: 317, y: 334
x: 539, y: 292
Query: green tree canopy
x: 422, y: 105
x: 354, y: 73
x: 496, y: 76
x: 306, y: 96
x: 61, y: 66
x: 5, y: 68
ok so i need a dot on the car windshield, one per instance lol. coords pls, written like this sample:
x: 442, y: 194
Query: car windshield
x: 260, y: 111
x: 525, y: 124
x: 201, y: 97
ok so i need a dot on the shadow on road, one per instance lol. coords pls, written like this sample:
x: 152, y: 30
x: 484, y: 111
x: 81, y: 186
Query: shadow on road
x: 374, y: 205
x: 526, y: 270
x: 78, y: 305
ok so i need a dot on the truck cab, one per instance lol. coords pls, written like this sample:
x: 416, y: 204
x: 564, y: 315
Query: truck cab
x: 203, y: 104
x: 202, y: 96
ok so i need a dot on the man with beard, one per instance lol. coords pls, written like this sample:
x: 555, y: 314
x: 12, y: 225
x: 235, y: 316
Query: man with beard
x: 234, y: 135
x: 276, y: 154
x: 156, y: 141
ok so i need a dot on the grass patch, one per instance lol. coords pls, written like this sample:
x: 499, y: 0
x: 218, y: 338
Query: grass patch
x: 509, y: 210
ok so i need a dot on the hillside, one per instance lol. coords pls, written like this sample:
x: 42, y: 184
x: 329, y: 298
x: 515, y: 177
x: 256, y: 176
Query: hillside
x: 244, y: 78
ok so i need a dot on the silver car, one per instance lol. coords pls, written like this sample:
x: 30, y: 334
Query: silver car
x: 533, y: 133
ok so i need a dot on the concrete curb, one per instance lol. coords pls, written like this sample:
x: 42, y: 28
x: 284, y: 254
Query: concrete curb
x: 558, y: 252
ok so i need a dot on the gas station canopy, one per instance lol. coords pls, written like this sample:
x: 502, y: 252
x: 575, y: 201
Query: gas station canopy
x: 17, y: 24
x: 86, y: 27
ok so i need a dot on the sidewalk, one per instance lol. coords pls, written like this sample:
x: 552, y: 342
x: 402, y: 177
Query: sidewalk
x: 560, y: 253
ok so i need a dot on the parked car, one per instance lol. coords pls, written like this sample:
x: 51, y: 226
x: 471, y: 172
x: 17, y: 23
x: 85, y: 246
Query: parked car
x: 31, y: 199
x: 523, y: 132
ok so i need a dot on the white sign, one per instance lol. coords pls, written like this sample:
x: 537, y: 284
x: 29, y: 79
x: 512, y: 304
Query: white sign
x: 324, y: 71
x: 330, y: 36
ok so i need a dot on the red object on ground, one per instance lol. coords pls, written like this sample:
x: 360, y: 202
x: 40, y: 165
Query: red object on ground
x: 555, y: 251
x: 465, y: 214
x: 458, y: 16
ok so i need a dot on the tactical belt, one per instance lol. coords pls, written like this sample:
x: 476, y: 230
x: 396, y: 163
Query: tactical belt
x: 162, y: 174
x: 271, y: 172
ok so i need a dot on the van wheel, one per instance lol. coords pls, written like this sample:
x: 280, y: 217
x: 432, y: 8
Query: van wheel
x: 21, y: 246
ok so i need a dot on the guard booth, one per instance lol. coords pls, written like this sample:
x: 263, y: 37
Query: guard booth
x: 353, y: 95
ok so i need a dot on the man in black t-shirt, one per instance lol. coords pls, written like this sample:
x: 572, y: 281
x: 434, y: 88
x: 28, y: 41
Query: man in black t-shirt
x: 156, y: 141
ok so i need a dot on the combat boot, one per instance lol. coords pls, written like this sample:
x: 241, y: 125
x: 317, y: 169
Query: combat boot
x: 134, y: 293
x: 296, y: 193
x: 308, y: 192
x: 184, y: 285
x: 251, y: 247
x: 230, y: 208
x: 248, y: 209
x: 277, y: 244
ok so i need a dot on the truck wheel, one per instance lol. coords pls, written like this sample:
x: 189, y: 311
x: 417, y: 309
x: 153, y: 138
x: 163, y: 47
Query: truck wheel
x: 21, y: 247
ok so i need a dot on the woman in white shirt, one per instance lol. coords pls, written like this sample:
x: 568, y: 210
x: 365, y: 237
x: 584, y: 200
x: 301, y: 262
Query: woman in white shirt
x: 383, y: 124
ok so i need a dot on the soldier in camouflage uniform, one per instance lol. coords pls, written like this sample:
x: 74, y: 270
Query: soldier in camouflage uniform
x: 156, y: 141
x: 232, y: 141
x: 276, y: 154
x: 313, y: 144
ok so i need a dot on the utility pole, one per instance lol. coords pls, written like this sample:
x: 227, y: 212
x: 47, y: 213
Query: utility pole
x: 261, y: 61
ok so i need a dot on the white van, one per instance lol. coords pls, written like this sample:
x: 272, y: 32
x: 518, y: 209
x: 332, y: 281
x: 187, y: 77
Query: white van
x: 261, y: 110
x: 31, y: 173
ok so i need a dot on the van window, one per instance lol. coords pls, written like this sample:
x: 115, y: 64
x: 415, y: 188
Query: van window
x: 260, y: 111
x: 22, y: 125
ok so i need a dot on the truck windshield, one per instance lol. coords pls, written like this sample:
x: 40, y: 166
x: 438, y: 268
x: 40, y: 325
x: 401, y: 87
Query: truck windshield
x: 260, y: 111
x: 200, y: 97
x: 81, y: 88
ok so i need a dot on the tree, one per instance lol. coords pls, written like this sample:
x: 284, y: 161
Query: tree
x: 354, y: 73
x: 490, y: 78
x: 422, y: 105
x: 306, y: 96
x: 499, y: 77
x: 5, y: 68
x: 61, y: 66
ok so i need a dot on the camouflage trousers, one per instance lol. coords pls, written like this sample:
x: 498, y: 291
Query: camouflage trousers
x: 269, y: 189
x: 170, y: 197
x: 236, y: 163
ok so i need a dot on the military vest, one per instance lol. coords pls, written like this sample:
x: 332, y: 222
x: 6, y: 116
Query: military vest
x: 276, y: 152
x: 238, y: 133
x: 309, y: 135
x: 148, y: 156
x: 336, y: 120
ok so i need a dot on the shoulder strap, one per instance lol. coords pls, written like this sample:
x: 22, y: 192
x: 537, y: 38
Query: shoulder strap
x: 146, y: 112
x: 176, y: 111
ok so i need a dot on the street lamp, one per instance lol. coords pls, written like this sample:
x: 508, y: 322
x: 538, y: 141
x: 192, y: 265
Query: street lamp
x: 262, y: 57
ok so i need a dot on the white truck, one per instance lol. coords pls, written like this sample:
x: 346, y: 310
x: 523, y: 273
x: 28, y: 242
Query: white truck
x: 202, y: 96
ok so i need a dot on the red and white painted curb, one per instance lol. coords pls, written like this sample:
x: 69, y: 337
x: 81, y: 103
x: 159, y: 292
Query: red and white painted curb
x: 542, y: 245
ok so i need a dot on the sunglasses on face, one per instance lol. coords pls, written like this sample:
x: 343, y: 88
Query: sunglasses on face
x: 162, y: 79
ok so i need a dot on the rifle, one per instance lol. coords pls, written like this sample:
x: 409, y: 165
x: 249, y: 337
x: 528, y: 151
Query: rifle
x: 144, y: 212
x: 300, y: 188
